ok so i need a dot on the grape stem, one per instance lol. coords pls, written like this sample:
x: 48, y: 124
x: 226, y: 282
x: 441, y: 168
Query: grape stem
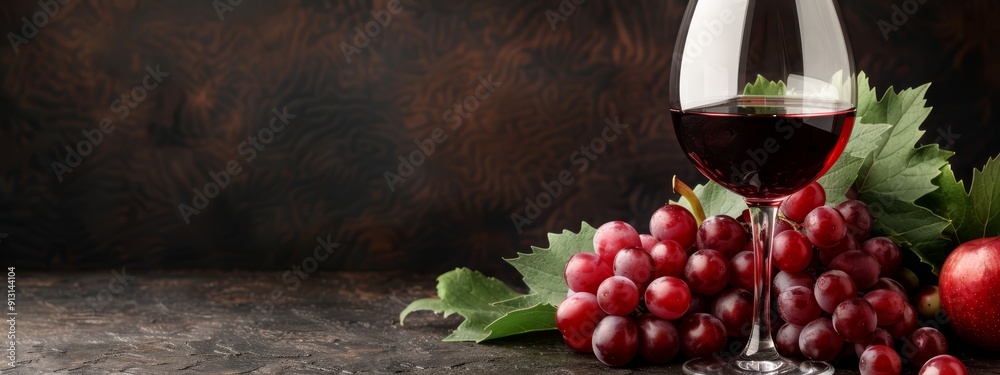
x: 685, y: 191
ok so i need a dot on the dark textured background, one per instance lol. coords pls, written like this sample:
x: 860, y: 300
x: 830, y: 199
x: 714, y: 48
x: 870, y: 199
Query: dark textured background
x: 324, y: 174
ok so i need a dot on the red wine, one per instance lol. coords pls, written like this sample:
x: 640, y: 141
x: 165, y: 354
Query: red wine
x: 764, y: 149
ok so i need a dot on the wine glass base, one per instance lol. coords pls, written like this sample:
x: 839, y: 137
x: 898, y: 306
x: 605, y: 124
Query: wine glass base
x: 736, y: 366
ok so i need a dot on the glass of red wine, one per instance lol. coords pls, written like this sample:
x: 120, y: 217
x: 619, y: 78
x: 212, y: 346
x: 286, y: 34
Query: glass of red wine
x: 763, y: 99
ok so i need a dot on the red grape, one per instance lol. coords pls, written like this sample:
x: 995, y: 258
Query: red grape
x: 648, y: 241
x: 798, y: 205
x: 797, y: 305
x: 924, y: 344
x: 819, y: 341
x: 723, y: 234
x: 890, y: 284
x: 614, y: 236
x: 635, y: 264
x: 707, y: 272
x: 576, y: 318
x: 880, y: 337
x: 832, y: 288
x: 616, y: 340
x: 944, y: 365
x: 880, y: 360
x: 854, y: 319
x: 658, y: 339
x: 905, y: 326
x: 585, y: 272
x: 888, y: 306
x: 824, y: 226
x: 781, y: 225
x: 741, y: 270
x: 734, y: 308
x: 791, y: 251
x: 857, y: 216
x: 701, y: 335
x: 787, y: 340
x: 826, y: 255
x: 927, y: 301
x: 668, y: 298
x: 673, y: 222
x: 669, y: 258
x: 861, y: 266
x: 618, y: 295
x: 886, y: 252
x: 907, y: 278
x: 784, y: 280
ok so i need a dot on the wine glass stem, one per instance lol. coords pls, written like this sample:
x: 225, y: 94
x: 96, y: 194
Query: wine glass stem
x: 762, y: 219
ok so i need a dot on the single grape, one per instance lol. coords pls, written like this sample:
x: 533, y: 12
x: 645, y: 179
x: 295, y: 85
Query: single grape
x: 791, y: 251
x: 741, y: 270
x: 798, y: 205
x: 576, y: 318
x: 907, y: 278
x: 854, y: 319
x: 857, y: 216
x: 880, y: 360
x: 890, y: 284
x: 723, y: 234
x: 585, y: 272
x: 787, y: 340
x: 819, y: 341
x: 905, y: 326
x: 635, y: 264
x: 832, y: 288
x: 618, y: 295
x: 734, y: 308
x: 707, y: 272
x: 927, y: 301
x: 782, y: 225
x: 826, y: 255
x: 888, y: 306
x: 880, y: 337
x: 616, y: 340
x: 944, y: 365
x: 861, y: 266
x: 886, y: 252
x: 701, y: 335
x: 668, y: 297
x: 673, y: 222
x: 658, y: 339
x: 923, y: 344
x: 648, y: 241
x: 852, y: 193
x: 797, y: 305
x: 824, y: 227
x: 784, y: 280
x: 669, y: 258
x: 614, y: 236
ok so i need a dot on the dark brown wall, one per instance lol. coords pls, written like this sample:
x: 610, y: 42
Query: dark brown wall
x: 324, y: 173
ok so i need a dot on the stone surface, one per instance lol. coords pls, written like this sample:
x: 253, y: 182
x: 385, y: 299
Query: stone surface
x: 220, y: 323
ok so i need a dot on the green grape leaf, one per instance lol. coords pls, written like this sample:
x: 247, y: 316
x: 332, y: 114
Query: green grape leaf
x: 543, y: 269
x: 764, y: 87
x: 716, y: 200
x: 469, y: 294
x: 983, y: 215
x: 839, y: 179
x: 539, y: 317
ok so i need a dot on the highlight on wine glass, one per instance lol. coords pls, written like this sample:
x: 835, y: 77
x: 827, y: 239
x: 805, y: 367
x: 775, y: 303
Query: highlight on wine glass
x: 763, y: 98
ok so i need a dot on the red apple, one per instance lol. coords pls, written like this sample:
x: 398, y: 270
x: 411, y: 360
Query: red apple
x: 970, y: 288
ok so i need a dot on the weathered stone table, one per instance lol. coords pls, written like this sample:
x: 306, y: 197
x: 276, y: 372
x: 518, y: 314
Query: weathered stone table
x: 214, y: 322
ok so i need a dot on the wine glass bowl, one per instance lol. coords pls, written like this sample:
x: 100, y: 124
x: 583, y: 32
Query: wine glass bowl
x: 763, y: 99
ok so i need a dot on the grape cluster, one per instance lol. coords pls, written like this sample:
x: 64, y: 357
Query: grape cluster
x: 686, y: 289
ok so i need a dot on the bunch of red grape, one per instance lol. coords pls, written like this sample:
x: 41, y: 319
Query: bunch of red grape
x: 688, y: 288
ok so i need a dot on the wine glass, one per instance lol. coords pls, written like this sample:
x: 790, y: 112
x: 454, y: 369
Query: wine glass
x: 763, y: 98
